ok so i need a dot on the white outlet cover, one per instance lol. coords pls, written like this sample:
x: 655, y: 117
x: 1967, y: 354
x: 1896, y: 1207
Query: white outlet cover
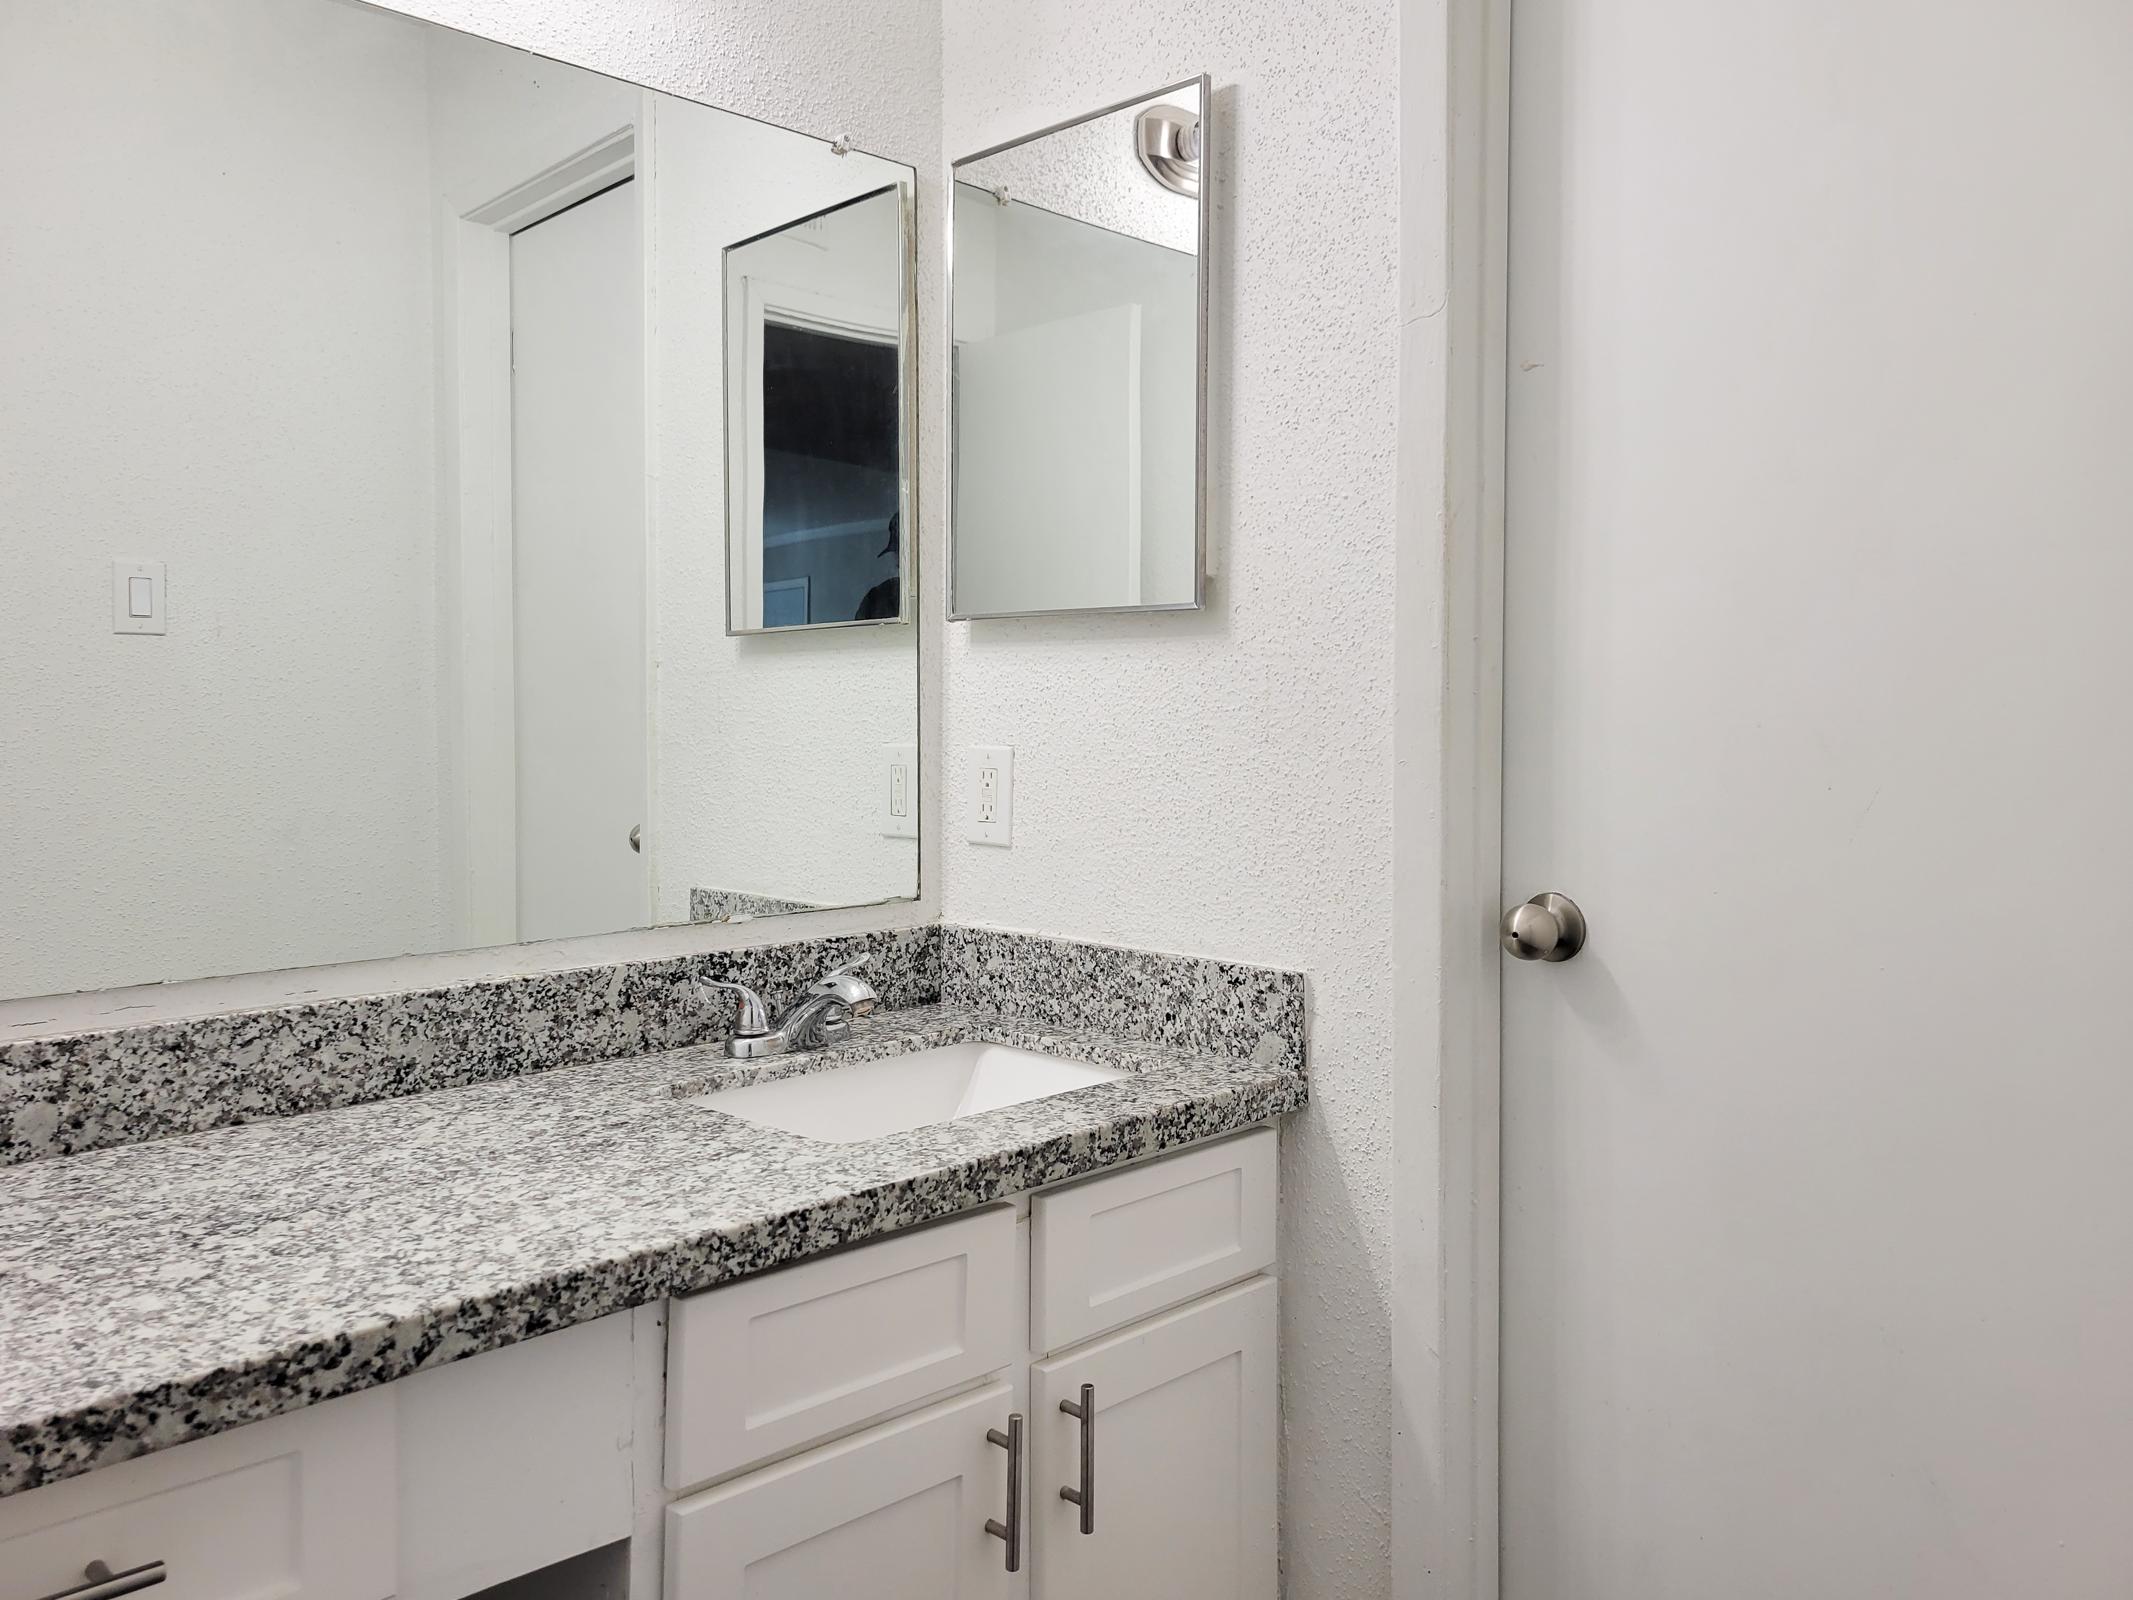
x: 999, y: 760
x: 897, y: 793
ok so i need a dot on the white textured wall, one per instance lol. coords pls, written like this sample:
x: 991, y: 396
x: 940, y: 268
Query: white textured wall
x: 819, y: 66
x: 1220, y: 782
x: 1092, y: 172
x: 258, y: 786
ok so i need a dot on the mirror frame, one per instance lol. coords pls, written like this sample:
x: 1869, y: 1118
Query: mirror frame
x: 1208, y: 149
x: 906, y: 414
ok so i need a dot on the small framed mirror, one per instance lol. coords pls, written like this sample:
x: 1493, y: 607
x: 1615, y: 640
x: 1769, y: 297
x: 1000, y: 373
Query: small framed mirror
x: 818, y: 417
x: 1079, y: 380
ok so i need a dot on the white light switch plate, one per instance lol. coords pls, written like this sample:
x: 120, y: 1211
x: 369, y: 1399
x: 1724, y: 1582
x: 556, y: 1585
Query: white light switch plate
x: 990, y: 808
x: 899, y: 791
x: 138, y: 596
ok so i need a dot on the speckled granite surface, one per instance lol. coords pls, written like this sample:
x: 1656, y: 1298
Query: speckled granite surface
x: 737, y: 905
x: 94, y: 1091
x: 168, y: 1290
x: 73, y: 1093
x: 1184, y: 1002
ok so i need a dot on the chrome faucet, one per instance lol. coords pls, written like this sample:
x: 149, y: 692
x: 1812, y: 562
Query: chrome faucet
x: 822, y: 1016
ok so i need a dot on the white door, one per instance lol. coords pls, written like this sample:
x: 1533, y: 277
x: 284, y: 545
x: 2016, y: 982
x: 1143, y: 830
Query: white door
x: 895, y: 1513
x: 578, y: 560
x: 1818, y: 1209
x: 1180, y: 1453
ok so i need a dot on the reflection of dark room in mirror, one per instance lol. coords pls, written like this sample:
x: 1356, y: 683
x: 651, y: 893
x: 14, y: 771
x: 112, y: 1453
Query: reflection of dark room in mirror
x: 831, y: 478
x: 817, y: 362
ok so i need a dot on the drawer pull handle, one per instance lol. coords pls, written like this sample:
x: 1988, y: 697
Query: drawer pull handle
x: 101, y: 1583
x: 1010, y: 1530
x: 1085, y: 1496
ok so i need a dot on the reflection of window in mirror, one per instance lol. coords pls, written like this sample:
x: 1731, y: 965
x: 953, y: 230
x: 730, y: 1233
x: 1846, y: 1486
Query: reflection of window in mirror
x: 815, y: 395
x: 831, y: 476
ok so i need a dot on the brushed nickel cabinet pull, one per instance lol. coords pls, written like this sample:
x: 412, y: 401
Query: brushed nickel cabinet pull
x: 99, y: 1582
x: 1085, y: 1496
x: 1010, y: 1530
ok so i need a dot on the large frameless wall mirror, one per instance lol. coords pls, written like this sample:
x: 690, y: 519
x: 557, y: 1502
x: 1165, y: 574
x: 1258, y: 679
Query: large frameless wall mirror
x: 363, y: 498
x: 1079, y: 290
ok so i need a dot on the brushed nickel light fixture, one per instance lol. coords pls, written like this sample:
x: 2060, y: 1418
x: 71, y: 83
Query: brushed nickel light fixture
x: 1167, y: 139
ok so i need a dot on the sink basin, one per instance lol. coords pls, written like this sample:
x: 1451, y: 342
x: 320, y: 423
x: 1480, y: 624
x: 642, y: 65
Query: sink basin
x: 843, y: 1105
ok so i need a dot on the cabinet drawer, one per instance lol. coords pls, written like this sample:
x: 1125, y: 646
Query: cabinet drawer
x: 897, y: 1513
x: 769, y: 1364
x: 1132, y: 1243
x: 301, y: 1505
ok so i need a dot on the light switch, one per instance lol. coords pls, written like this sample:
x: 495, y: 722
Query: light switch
x: 899, y: 791
x: 139, y: 597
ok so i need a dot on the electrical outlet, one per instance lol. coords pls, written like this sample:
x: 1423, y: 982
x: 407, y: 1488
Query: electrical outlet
x: 899, y: 791
x: 992, y: 794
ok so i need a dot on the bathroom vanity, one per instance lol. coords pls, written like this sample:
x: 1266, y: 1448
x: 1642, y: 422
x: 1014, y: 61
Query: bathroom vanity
x: 588, y: 1331
x: 357, y: 1237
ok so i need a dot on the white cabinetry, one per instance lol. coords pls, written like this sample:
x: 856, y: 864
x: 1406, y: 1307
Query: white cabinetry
x: 762, y: 1367
x: 896, y: 1513
x: 844, y: 1423
x: 1179, y: 1454
x: 521, y: 1457
x: 295, y: 1508
x: 1127, y: 1244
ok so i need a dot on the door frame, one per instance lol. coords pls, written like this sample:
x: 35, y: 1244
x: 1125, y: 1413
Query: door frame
x: 1447, y: 793
x: 478, y: 717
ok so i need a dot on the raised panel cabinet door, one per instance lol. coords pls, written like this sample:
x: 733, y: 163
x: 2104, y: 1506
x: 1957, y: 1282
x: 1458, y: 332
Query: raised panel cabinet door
x: 896, y: 1513
x: 1180, y: 1452
x: 298, y: 1507
x: 777, y: 1362
x: 1113, y: 1249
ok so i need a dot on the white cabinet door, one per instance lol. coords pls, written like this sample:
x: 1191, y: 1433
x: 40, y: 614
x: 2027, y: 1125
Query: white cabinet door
x: 298, y: 1507
x: 763, y: 1367
x: 895, y: 1513
x: 1114, y: 1249
x: 1182, y: 1447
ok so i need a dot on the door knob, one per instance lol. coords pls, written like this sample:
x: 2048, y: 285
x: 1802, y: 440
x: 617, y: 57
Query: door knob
x: 1549, y: 927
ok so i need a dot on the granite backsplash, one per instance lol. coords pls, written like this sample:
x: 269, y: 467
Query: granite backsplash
x: 70, y: 1093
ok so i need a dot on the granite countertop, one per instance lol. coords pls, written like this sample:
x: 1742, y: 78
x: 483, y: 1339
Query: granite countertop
x: 165, y: 1291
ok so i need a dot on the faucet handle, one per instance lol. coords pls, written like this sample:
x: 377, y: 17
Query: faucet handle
x: 843, y: 982
x: 752, y: 1020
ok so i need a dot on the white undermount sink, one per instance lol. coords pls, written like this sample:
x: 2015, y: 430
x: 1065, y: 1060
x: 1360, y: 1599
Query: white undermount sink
x: 843, y: 1105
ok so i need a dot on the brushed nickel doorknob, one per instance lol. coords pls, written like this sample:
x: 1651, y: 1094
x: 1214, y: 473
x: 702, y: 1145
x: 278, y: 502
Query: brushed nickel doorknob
x: 1549, y: 927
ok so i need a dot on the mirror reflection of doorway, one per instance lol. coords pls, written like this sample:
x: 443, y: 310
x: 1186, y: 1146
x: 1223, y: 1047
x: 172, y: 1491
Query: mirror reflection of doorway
x: 816, y: 418
x: 831, y: 475
x: 578, y: 566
